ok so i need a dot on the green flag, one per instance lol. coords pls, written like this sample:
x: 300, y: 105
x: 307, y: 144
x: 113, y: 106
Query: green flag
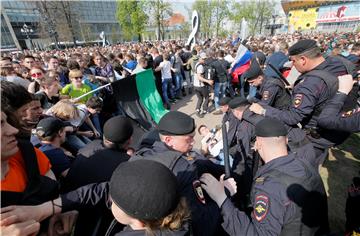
x: 145, y: 83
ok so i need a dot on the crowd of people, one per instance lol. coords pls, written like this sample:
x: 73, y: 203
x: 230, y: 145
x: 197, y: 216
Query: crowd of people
x: 69, y: 164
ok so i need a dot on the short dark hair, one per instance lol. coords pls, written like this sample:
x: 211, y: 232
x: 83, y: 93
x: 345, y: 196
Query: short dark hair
x: 15, y: 95
x: 201, y: 126
x: 72, y: 65
x: 28, y: 56
x: 94, y: 102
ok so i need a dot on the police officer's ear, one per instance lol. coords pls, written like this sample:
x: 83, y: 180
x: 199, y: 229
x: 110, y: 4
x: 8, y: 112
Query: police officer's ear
x: 286, y: 140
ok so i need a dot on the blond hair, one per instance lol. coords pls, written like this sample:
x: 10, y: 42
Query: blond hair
x: 64, y: 110
x: 75, y: 73
x: 174, y: 221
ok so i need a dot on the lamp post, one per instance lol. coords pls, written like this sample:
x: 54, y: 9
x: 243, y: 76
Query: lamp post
x: 26, y: 30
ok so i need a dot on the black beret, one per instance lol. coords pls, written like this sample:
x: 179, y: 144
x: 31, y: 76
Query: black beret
x: 269, y: 127
x: 176, y: 123
x: 144, y: 189
x: 224, y: 101
x: 118, y: 129
x: 254, y: 71
x: 302, y: 46
x: 260, y: 57
x: 238, y: 102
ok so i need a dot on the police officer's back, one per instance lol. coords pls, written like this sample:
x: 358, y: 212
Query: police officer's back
x: 177, y: 138
x: 288, y: 196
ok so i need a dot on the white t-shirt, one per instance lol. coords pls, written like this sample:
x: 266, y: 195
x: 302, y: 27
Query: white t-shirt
x: 165, y: 70
x: 199, y: 70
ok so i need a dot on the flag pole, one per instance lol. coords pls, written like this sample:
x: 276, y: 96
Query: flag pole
x: 90, y: 92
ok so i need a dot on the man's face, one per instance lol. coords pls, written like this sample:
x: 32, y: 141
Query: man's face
x: 204, y: 131
x: 16, y: 67
x: 8, y: 141
x: 256, y: 82
x: 224, y: 108
x: 32, y: 113
x: 181, y: 143
x: 299, y: 62
x: 238, y: 113
x: 29, y: 62
x: 62, y: 135
x: 5, y: 63
x: 53, y: 64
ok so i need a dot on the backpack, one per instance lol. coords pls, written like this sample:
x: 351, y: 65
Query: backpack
x: 210, y: 72
x: 194, y: 62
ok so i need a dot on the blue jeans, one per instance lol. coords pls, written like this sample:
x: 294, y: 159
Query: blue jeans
x: 219, y: 92
x: 177, y: 82
x: 76, y: 142
x: 166, y: 88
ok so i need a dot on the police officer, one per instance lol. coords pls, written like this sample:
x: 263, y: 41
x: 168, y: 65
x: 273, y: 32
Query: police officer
x: 312, y: 90
x: 331, y: 115
x: 177, y: 131
x: 288, y: 196
x: 230, y: 119
x: 271, y: 90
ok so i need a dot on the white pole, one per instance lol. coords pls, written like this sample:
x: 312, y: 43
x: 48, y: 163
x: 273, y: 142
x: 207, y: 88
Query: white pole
x: 92, y: 91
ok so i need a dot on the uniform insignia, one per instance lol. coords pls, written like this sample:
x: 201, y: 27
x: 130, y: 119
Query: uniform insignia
x: 349, y: 113
x: 198, y: 191
x: 259, y: 180
x: 265, y: 95
x: 298, y: 100
x: 261, y: 207
x: 189, y: 158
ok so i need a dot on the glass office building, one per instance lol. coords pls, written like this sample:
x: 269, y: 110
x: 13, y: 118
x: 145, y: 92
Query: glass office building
x: 89, y: 18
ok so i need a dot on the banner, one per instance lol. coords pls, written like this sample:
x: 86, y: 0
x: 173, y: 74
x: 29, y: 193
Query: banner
x: 145, y: 83
x: 303, y: 19
x: 339, y: 13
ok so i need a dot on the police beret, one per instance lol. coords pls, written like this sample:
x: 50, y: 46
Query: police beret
x: 238, y: 102
x: 260, y: 57
x: 269, y: 127
x: 302, y: 46
x: 224, y: 101
x: 144, y: 189
x: 176, y: 123
x: 254, y: 71
x: 118, y: 129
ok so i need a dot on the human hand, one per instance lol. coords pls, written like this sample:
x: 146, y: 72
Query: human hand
x: 214, y: 188
x: 96, y: 134
x: 88, y: 134
x: 346, y: 83
x: 14, y: 214
x: 62, y: 224
x: 30, y: 227
x: 256, y: 108
x: 230, y: 184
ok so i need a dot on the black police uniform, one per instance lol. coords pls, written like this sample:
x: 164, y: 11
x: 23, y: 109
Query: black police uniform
x: 288, y: 198
x: 232, y: 128
x: 205, y: 215
x: 331, y: 115
x: 272, y: 90
x: 311, y: 91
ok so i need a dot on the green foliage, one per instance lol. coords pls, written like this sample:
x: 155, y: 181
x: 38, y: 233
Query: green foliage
x: 212, y: 14
x: 256, y: 13
x: 131, y: 17
x: 159, y: 10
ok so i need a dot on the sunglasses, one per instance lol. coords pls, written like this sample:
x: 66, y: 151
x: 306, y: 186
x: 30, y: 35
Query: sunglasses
x: 36, y: 74
x: 77, y: 78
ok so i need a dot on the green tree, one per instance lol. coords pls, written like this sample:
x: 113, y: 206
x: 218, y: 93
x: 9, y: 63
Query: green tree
x: 132, y: 18
x: 256, y: 13
x: 204, y: 9
x: 220, y: 12
x: 159, y: 10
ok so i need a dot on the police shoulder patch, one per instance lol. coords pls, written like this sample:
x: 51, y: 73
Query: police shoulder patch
x: 198, y: 191
x: 265, y: 95
x: 347, y: 113
x: 261, y: 207
x: 297, y: 100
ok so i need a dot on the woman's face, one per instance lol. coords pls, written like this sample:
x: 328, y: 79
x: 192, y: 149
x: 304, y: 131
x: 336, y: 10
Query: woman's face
x: 36, y: 74
x: 98, y: 61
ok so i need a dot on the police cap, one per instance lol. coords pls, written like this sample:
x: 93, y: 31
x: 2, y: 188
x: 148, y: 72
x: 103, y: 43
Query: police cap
x: 238, y: 102
x: 144, y: 189
x: 176, y: 123
x: 224, y: 101
x: 254, y: 71
x: 118, y: 129
x: 302, y: 46
x: 269, y: 127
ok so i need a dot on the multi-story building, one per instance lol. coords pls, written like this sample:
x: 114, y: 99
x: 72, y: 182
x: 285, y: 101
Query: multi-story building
x: 25, y: 25
x: 323, y: 15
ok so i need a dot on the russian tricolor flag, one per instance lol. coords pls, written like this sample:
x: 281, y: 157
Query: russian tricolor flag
x: 241, y: 63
